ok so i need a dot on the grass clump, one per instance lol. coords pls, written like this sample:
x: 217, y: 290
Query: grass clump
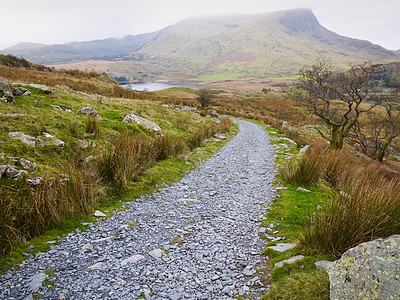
x: 28, y: 212
x: 365, y: 204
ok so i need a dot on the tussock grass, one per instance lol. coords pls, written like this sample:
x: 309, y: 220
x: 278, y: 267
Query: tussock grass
x: 92, y: 126
x: 28, y: 211
x: 365, y: 211
x: 365, y: 205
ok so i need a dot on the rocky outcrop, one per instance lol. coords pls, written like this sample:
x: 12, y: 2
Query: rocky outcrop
x: 45, y: 139
x: 151, y: 126
x: 89, y: 110
x: 42, y: 87
x: 369, y: 271
x: 8, y: 91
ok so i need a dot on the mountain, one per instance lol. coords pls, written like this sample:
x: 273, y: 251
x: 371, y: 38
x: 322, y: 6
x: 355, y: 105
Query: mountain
x: 266, y: 44
x: 75, y: 51
x: 271, y: 44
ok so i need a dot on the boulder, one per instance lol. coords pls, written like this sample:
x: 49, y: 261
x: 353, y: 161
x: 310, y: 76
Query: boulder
x: 48, y: 140
x: 42, y: 87
x: 151, y: 126
x: 212, y: 113
x: 369, y: 271
x: 8, y: 91
x: 27, y: 139
x: 88, y: 110
x: 26, y: 164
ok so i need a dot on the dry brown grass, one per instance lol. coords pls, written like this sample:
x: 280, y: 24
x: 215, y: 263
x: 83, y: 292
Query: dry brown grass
x: 27, y: 212
x: 365, y: 205
x: 79, y: 81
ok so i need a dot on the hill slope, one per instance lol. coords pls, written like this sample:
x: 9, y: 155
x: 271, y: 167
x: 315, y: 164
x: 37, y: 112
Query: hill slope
x: 48, y: 54
x: 266, y: 44
x: 263, y: 44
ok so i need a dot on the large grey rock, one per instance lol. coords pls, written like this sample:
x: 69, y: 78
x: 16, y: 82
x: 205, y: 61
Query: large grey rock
x: 369, y: 271
x: 153, y: 127
x: 45, y: 139
x: 8, y: 91
x: 48, y: 140
x: 27, y: 139
x: 88, y: 110
x: 42, y: 87
x: 212, y: 113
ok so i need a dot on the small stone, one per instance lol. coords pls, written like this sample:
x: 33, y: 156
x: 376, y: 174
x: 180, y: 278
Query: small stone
x: 156, y: 253
x: 36, y: 281
x: 31, y: 247
x: 249, y: 271
x: 304, y: 149
x: 61, y: 296
x: 132, y: 259
x: 99, y: 214
x: 89, y: 110
x: 213, y: 193
x: 289, y: 261
x: 96, y: 266
x: 280, y: 247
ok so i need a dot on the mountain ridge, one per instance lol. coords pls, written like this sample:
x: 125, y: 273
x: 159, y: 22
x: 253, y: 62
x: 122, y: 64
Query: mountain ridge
x: 262, y: 44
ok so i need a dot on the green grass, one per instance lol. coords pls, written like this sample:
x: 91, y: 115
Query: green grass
x: 289, y: 213
x: 222, y: 76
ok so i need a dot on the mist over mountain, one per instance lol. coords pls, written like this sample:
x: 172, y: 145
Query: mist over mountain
x: 265, y: 44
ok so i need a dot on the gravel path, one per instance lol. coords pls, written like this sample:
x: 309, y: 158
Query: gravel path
x: 197, y: 239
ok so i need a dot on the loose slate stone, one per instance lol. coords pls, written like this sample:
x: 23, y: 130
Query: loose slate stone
x: 289, y: 261
x: 132, y: 259
x: 99, y: 214
x: 280, y: 247
x: 36, y: 282
x: 156, y: 253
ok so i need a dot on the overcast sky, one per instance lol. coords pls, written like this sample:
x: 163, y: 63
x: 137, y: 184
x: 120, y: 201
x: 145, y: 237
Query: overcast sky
x: 60, y: 21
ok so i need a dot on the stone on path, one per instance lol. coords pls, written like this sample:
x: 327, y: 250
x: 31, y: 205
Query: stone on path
x: 289, y: 261
x: 156, y: 253
x: 280, y: 247
x: 132, y: 259
x: 36, y: 281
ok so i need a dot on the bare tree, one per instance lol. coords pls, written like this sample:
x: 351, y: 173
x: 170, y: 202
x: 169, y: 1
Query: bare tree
x: 205, y: 97
x: 336, y: 97
x: 383, y: 129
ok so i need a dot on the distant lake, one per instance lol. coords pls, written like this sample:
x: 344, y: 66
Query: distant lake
x: 152, y: 86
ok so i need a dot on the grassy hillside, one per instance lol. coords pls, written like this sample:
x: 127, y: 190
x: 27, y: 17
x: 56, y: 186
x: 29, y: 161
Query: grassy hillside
x: 101, y: 157
x: 268, y: 45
